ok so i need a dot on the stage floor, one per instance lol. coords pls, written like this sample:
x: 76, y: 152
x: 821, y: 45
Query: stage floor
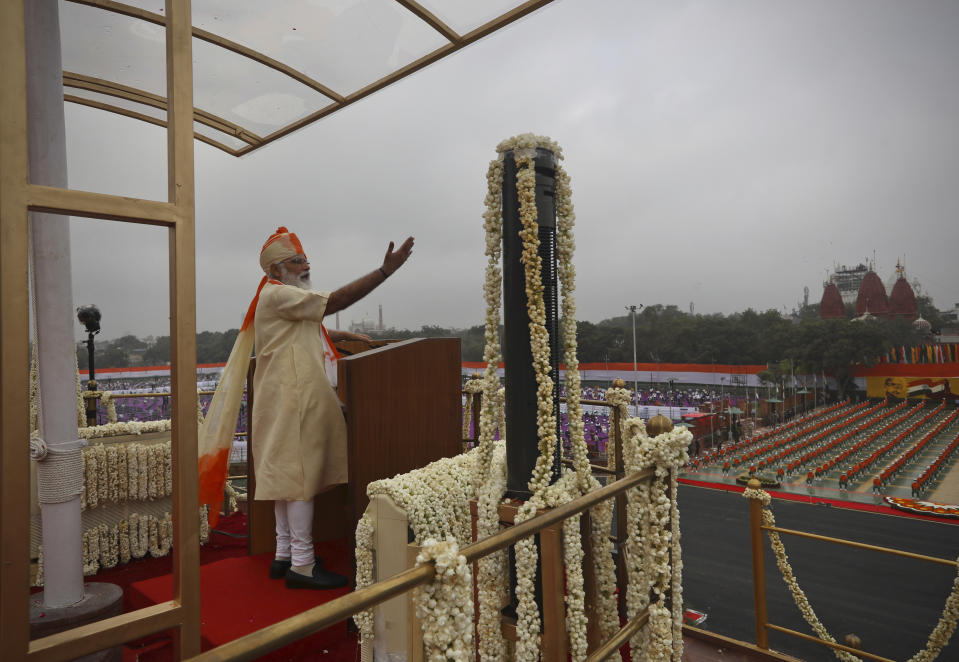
x: 237, y: 597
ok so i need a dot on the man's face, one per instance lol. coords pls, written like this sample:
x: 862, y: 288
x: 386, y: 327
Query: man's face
x: 896, y: 387
x: 295, y: 271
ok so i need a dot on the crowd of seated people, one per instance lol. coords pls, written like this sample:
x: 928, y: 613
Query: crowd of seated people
x: 155, y: 407
x: 150, y: 384
x: 655, y: 396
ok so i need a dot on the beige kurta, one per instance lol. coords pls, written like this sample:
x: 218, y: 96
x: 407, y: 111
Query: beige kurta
x: 299, y: 435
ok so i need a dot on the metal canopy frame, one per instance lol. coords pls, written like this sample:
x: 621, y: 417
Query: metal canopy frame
x: 338, y: 101
x: 18, y: 197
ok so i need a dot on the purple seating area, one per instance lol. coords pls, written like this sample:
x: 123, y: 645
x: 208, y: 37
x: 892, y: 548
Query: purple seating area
x: 152, y: 407
x: 692, y: 397
x: 595, y: 430
x: 596, y: 424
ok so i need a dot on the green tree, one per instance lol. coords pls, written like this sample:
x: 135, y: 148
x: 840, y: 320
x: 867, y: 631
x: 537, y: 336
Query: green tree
x: 127, y: 343
x: 214, y: 346
x: 837, y: 346
x: 929, y: 312
x: 159, y: 352
x: 110, y: 356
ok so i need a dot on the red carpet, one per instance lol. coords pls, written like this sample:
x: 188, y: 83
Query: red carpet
x: 238, y: 597
x: 837, y: 503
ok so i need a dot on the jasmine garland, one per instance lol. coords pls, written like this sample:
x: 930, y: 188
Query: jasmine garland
x: 938, y: 638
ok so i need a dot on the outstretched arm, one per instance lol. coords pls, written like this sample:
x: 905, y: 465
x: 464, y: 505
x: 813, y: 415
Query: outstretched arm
x: 349, y: 294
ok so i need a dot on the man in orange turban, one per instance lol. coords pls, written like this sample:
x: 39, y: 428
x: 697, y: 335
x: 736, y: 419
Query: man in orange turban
x: 298, y: 426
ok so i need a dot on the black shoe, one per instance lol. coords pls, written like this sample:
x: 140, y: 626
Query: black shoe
x: 279, y: 567
x: 321, y: 579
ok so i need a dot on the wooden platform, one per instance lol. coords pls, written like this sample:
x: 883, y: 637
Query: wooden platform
x: 238, y: 597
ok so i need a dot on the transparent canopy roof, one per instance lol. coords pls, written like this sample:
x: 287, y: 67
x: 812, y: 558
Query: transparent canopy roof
x: 263, y: 69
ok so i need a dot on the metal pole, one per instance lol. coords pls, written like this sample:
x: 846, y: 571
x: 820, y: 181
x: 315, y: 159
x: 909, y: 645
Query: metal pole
x: 759, y: 566
x: 91, y: 382
x: 632, y: 314
x: 635, y: 373
x: 62, y: 557
x: 722, y: 382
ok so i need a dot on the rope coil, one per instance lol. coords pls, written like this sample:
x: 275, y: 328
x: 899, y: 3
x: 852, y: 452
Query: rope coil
x: 38, y: 447
x: 59, y: 470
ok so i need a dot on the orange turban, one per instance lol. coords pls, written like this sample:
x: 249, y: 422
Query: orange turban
x: 282, y: 245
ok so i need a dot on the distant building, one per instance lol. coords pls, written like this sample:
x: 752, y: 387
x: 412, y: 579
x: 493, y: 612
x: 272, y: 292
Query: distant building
x: 870, y: 294
x: 831, y: 306
x: 848, y: 280
x: 902, y: 301
x: 365, y: 325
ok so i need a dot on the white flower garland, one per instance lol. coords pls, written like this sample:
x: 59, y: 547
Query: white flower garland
x: 104, y: 546
x: 128, y: 428
x: 528, y: 624
x: 473, y: 386
x: 570, y: 485
x: 538, y: 334
x: 575, y: 589
x: 435, y: 497
x: 944, y: 628
x: 116, y: 473
x: 654, y: 518
x: 467, y: 416
x: 493, y: 224
x: 365, y: 572
x: 34, y: 390
x: 653, y: 547
x: 492, y: 569
x: 445, y: 605
x: 232, y: 496
x: 106, y: 398
x: 436, y: 500
x: 601, y: 517
x: 619, y: 398
x: 677, y: 566
x: 937, y: 639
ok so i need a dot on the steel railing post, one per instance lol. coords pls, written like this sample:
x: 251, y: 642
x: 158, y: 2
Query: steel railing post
x: 759, y: 566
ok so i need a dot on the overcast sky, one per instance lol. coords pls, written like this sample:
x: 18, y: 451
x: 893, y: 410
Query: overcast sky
x: 724, y: 154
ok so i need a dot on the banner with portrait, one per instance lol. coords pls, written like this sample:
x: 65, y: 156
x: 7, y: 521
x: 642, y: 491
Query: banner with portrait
x: 903, y: 387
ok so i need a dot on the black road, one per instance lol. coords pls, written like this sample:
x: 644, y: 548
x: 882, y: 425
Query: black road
x: 892, y: 603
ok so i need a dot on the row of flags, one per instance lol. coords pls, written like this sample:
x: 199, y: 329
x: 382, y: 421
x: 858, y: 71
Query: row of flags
x: 948, y: 353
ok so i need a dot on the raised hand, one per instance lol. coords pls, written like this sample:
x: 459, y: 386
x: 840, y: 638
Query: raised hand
x: 393, y: 260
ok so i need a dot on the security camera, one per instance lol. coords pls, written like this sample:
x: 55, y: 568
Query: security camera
x: 89, y: 317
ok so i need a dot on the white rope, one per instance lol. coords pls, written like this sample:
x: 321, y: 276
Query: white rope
x: 38, y: 447
x: 60, y: 472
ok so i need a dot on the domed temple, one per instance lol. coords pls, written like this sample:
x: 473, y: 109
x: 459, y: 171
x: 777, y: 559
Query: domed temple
x: 872, y: 296
x: 902, y: 300
x: 871, y: 300
x: 831, y: 306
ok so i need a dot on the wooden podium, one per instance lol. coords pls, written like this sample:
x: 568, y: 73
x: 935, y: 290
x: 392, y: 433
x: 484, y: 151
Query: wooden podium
x: 403, y: 411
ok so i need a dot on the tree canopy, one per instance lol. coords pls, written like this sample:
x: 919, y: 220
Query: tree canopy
x: 802, y: 343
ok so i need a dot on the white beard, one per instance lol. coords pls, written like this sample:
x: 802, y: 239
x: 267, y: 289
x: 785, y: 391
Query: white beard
x: 287, y: 277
